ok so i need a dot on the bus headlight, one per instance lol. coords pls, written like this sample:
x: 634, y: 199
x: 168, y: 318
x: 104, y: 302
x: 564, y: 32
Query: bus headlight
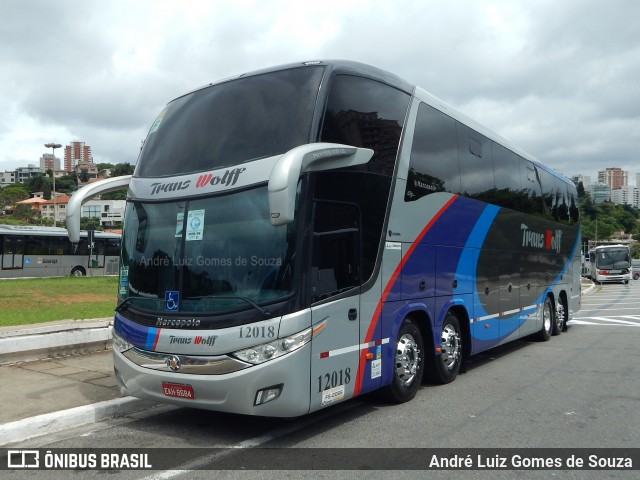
x: 277, y: 348
x: 120, y: 344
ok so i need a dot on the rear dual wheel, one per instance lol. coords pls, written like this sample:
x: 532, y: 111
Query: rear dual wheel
x: 447, y: 364
x: 560, y: 323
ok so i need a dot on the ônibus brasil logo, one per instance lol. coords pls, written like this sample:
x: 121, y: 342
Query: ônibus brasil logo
x: 229, y: 178
x: 547, y: 240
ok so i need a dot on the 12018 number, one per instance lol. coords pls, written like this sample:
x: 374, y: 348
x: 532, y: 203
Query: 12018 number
x: 333, y: 379
x: 258, y: 332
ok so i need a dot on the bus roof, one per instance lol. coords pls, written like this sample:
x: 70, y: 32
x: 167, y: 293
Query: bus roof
x: 53, y: 231
x: 378, y: 74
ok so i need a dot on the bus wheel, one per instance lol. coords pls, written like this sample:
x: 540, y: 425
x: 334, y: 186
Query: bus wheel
x: 447, y: 364
x: 78, y: 272
x: 560, y: 324
x: 408, y: 363
x: 547, y: 320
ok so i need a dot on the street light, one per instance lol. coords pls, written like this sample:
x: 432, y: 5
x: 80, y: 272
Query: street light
x: 53, y: 147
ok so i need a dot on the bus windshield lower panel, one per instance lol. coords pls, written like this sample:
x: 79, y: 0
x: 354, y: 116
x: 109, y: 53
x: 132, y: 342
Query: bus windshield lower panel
x: 212, y: 255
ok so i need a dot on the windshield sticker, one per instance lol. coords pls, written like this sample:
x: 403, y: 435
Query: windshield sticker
x: 158, y: 121
x: 179, y: 224
x: 195, y: 225
x: 124, y: 280
x: 171, y: 300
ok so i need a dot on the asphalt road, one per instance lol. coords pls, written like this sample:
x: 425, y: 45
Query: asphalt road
x: 579, y: 390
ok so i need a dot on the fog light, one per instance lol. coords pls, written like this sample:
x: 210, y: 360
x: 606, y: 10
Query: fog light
x: 267, y: 394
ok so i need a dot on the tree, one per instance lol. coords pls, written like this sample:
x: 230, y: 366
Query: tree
x: 37, y: 183
x: 67, y: 184
x: 83, y: 176
x: 86, y: 221
x: 13, y: 193
x: 25, y: 212
x: 122, y: 169
x: 115, y: 195
x: 105, y: 166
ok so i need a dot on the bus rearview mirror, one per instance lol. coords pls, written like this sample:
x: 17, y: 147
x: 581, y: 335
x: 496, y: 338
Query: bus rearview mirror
x: 313, y: 157
x: 74, y: 207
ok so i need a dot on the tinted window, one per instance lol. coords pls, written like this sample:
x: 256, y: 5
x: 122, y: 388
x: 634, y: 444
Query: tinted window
x: 476, y: 164
x: 113, y: 246
x: 531, y: 191
x: 232, y: 122
x: 548, y: 193
x: 366, y: 113
x: 433, y: 166
x: 574, y: 213
x: 37, y: 246
x: 506, y: 172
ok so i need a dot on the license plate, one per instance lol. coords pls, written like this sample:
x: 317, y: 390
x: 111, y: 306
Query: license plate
x: 178, y: 391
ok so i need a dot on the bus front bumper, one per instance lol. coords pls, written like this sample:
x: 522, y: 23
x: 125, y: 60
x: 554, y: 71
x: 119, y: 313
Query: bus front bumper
x: 243, y: 389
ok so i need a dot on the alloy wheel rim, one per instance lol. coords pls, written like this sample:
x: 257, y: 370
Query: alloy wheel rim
x: 450, y: 345
x: 407, y: 359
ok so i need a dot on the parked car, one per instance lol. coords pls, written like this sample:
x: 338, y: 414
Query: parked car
x: 635, y: 268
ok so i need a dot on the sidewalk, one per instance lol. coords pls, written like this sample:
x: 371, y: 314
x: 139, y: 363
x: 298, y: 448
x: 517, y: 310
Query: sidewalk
x: 59, y: 375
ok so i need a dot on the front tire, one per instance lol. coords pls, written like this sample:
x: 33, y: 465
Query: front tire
x: 408, y: 366
x: 78, y: 272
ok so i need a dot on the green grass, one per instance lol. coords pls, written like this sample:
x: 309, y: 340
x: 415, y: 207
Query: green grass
x: 39, y: 300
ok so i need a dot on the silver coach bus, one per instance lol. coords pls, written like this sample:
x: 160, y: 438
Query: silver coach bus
x: 610, y: 263
x: 301, y: 235
x: 33, y: 251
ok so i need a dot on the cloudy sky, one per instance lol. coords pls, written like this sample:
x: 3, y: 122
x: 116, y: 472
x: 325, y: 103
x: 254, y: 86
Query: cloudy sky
x: 558, y: 78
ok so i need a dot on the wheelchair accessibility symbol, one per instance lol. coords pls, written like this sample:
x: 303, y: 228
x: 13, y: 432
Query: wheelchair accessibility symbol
x: 171, y: 299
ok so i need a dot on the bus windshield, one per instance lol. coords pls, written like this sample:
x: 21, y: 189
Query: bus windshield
x: 210, y: 255
x: 232, y: 123
x: 612, y: 258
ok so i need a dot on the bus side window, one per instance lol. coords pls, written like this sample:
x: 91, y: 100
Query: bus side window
x: 336, y: 249
x: 433, y: 166
x: 113, y: 247
x: 476, y: 164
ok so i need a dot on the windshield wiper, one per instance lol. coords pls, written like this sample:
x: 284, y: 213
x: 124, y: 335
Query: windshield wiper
x: 125, y: 303
x: 263, y: 311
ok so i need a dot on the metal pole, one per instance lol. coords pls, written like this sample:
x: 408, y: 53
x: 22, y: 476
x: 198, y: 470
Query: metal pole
x: 53, y: 147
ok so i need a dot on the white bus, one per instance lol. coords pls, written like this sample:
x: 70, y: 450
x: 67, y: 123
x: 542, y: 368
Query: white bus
x: 610, y: 263
x: 33, y: 251
x: 303, y: 235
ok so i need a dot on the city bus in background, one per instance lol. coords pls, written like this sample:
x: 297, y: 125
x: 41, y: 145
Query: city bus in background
x: 610, y: 263
x: 302, y: 235
x: 33, y: 251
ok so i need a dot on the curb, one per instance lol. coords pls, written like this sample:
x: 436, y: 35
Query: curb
x: 54, y: 340
x: 48, y: 423
x: 590, y: 289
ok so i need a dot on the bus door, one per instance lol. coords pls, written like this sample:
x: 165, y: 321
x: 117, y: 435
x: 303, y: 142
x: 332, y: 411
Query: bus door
x: 335, y: 270
x: 12, y: 252
x: 96, y: 259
